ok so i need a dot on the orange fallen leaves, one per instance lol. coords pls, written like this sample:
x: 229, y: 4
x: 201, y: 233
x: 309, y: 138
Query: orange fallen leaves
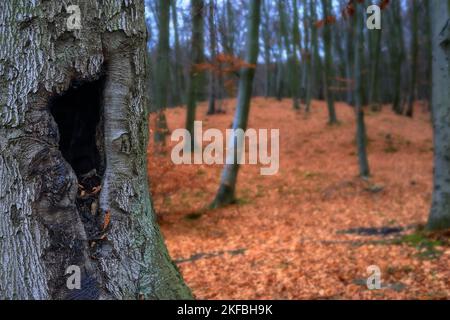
x: 290, y: 225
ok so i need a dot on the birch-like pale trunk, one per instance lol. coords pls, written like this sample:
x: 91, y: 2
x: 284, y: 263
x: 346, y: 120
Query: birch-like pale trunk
x: 93, y: 80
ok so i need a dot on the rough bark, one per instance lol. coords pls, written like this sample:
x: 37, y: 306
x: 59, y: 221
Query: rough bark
x: 42, y: 231
x: 440, y: 210
x: 226, y: 193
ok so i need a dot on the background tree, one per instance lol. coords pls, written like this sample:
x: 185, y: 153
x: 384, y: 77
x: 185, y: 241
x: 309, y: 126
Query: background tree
x: 375, y: 52
x: 414, y: 56
x: 197, y: 13
x: 328, y: 68
x: 180, y: 81
x: 397, y: 54
x: 226, y: 192
x: 162, y: 71
x: 361, y: 135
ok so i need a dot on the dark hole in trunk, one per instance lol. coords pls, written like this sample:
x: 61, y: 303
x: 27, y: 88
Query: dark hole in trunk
x: 78, y: 114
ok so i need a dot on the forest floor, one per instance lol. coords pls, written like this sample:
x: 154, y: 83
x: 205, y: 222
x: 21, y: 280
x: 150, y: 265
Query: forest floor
x: 311, y: 231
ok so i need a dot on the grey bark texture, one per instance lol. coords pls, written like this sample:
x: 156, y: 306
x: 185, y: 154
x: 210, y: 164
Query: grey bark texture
x: 440, y: 211
x: 41, y: 231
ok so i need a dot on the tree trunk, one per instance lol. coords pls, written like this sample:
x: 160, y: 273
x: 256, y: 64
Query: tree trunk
x: 361, y: 135
x: 316, y: 60
x: 440, y: 210
x: 414, y: 56
x: 73, y: 112
x: 266, y: 35
x: 180, y: 85
x: 197, y: 11
x: 397, y: 55
x: 307, y: 57
x: 213, y: 53
x: 226, y: 193
x: 291, y: 53
x: 162, y: 72
x: 328, y: 72
x: 374, y: 98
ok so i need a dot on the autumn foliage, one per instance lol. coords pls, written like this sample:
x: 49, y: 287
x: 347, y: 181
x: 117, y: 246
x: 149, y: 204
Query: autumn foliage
x: 311, y: 231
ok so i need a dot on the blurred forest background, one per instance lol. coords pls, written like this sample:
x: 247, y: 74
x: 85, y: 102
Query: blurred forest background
x: 354, y: 107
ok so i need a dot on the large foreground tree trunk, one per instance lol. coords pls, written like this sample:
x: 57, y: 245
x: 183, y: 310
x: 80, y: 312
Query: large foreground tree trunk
x: 73, y: 118
x: 226, y: 193
x: 440, y: 211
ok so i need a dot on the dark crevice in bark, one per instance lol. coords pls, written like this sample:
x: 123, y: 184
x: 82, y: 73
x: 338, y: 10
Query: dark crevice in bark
x: 78, y: 113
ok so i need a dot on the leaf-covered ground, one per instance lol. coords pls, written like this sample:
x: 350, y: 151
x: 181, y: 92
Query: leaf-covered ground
x: 311, y: 231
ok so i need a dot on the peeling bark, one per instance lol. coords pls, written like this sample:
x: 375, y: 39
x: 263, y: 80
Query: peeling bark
x: 41, y: 230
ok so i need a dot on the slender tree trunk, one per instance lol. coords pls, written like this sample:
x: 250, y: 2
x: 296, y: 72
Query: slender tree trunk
x: 349, y: 38
x: 414, y: 56
x: 180, y: 82
x: 226, y: 192
x: 280, y: 70
x: 328, y: 72
x: 197, y: 8
x: 73, y: 111
x: 361, y: 136
x: 440, y: 210
x: 213, y: 53
x: 289, y: 45
x: 296, y: 52
x: 317, y: 63
x: 397, y: 55
x: 266, y: 35
x: 162, y: 71
x: 308, y: 56
x: 374, y: 98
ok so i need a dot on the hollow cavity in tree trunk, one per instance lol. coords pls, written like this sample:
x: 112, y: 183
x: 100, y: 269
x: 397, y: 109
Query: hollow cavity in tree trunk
x: 78, y: 114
